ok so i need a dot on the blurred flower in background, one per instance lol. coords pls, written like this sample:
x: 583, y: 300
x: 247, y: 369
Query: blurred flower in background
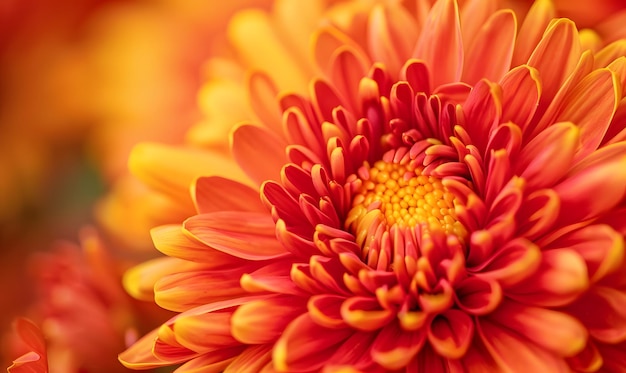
x: 79, y: 90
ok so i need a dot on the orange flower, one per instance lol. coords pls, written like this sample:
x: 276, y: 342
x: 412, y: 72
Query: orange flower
x: 449, y: 196
x: 83, y: 311
x: 31, y: 340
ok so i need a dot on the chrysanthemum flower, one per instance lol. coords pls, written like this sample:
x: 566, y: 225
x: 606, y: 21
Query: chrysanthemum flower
x: 31, y: 346
x: 82, y: 310
x: 449, y: 196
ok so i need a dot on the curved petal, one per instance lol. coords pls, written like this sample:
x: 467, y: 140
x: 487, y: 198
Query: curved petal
x: 554, y: 331
x: 521, y: 91
x: 494, y: 43
x: 561, y: 278
x: 215, y: 193
x: 511, y: 350
x: 547, y: 157
x: 263, y: 321
x: 172, y: 241
x: 451, y: 333
x: 440, y: 44
x: 395, y: 347
x: 592, y: 190
x: 246, y: 235
x: 478, y: 296
x: 171, y: 170
x: 603, y: 311
x: 139, y: 355
x: 259, y: 152
x: 601, y: 247
x: 35, y: 359
x: 300, y: 347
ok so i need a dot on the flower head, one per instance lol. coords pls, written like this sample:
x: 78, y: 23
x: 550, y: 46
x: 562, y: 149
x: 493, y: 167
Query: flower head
x: 450, y: 194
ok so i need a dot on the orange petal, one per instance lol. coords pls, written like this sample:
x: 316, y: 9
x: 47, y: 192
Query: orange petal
x: 554, y: 331
x: 478, y: 296
x: 259, y: 152
x: 600, y: 246
x: 307, y: 346
x: 347, y: 69
x: 263, y: 99
x: 392, y: 34
x: 593, y: 189
x: 547, y: 157
x: 494, y: 43
x: 139, y: 355
x: 325, y: 309
x: 205, y: 332
x: 512, y: 350
x: 483, y: 112
x: 591, y: 105
x: 172, y: 170
x: 35, y: 359
x: 264, y: 320
x: 326, y: 42
x: 451, y: 333
x: 534, y: 25
x: 252, y: 359
x: 139, y: 281
x: 365, y: 313
x: 512, y: 263
x: 561, y: 278
x: 555, y: 56
x: 258, y: 43
x: 172, y: 241
x: 212, y: 362
x: 395, y: 347
x: 521, y: 91
x: 440, y: 44
x: 246, y: 235
x: 216, y: 193
x: 185, y: 290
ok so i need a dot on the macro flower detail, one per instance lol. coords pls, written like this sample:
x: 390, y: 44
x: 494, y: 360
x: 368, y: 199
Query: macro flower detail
x: 419, y: 210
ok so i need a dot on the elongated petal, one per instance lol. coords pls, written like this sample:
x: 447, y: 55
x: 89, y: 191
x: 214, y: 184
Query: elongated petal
x: 216, y: 193
x: 244, y: 235
x: 512, y: 350
x: 300, y: 347
x: 451, y: 333
x: 395, y: 347
x: 264, y: 320
x: 592, y: 190
x: 440, y: 44
x: 259, y: 152
x: 554, y: 331
x: 494, y: 43
x: 546, y: 158
x: 561, y: 278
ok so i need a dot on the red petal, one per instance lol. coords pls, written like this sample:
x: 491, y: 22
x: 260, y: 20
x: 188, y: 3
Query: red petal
x: 603, y: 311
x: 521, y: 90
x: 551, y: 330
x: 307, y: 346
x: 451, y: 333
x: 365, y: 313
x: 395, y: 347
x: 478, y: 296
x: 561, y: 278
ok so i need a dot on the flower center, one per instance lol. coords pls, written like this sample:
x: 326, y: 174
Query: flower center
x: 400, y: 195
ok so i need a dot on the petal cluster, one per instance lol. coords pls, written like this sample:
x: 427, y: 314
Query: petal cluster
x: 522, y: 126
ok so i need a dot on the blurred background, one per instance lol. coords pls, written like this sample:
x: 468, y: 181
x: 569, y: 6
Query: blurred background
x: 81, y: 81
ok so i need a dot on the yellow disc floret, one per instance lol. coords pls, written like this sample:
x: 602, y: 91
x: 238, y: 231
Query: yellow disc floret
x: 401, y: 195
